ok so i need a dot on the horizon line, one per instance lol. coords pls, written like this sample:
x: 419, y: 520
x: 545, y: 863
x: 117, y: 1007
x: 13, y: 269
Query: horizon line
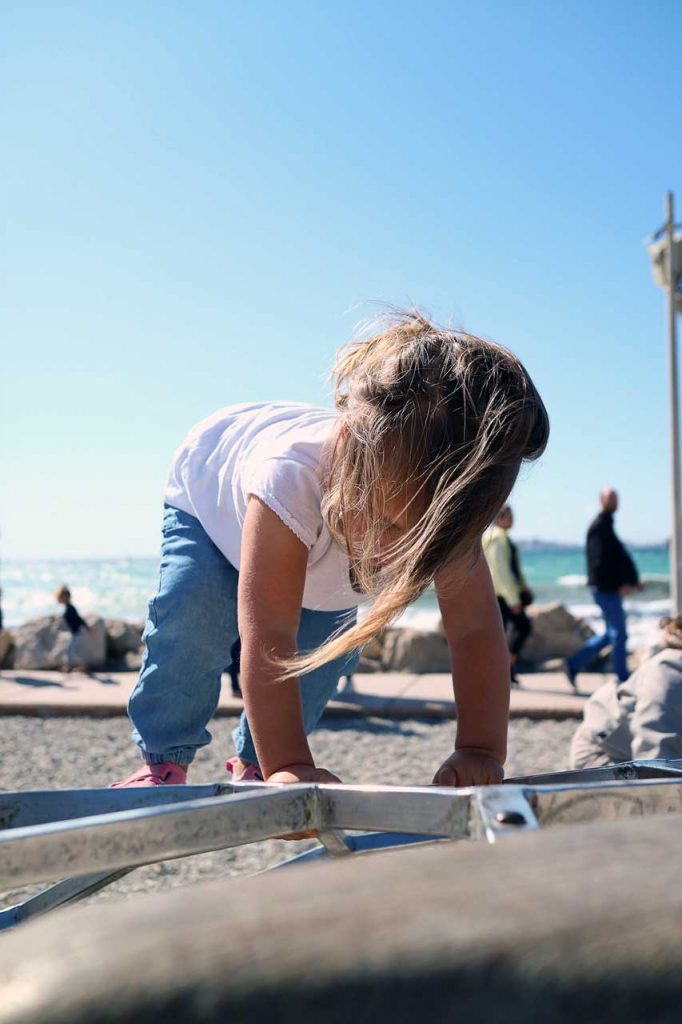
x: 110, y: 557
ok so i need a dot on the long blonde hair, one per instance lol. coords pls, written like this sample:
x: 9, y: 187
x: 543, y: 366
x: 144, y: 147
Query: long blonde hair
x: 443, y: 415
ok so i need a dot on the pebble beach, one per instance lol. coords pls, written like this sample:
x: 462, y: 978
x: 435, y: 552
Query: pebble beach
x: 54, y: 753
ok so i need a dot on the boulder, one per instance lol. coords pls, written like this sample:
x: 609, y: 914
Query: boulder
x: 556, y: 633
x: 415, y: 650
x: 132, y: 661
x: 6, y: 648
x: 371, y: 654
x: 42, y: 643
x: 122, y: 638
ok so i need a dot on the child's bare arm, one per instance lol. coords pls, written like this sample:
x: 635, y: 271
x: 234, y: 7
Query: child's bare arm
x: 480, y: 673
x: 271, y: 582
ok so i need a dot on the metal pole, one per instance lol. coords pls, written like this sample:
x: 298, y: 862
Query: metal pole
x: 676, y: 539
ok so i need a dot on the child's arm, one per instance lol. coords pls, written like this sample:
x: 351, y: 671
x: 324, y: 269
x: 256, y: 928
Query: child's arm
x: 480, y: 674
x: 271, y: 582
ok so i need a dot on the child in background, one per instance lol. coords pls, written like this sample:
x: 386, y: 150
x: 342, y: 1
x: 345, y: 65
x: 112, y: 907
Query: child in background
x: 281, y: 518
x: 75, y: 624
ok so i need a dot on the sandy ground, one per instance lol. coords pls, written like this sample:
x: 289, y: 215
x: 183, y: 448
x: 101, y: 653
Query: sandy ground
x: 79, y: 752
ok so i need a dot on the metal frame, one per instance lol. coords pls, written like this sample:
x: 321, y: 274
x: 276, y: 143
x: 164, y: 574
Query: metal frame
x: 668, y: 276
x: 88, y: 838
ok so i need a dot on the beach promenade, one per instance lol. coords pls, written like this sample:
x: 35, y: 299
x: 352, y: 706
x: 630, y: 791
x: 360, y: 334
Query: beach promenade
x: 382, y: 694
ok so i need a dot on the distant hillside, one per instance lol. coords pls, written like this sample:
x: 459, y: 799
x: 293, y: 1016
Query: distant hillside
x: 555, y: 545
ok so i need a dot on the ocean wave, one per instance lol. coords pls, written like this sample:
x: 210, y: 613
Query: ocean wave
x: 649, y: 608
x: 580, y: 580
x: 572, y: 580
x: 584, y: 611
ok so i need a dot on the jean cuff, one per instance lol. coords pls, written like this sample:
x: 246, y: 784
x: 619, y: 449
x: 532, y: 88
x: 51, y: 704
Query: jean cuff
x: 182, y: 755
x: 244, y: 748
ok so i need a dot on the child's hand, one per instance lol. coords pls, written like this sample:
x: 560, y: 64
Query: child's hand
x: 468, y: 767
x: 302, y: 773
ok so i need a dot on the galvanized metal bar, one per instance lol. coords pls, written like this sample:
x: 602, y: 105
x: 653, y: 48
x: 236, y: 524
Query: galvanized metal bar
x: 673, y: 399
x: 653, y: 770
x: 335, y: 843
x: 424, y: 810
x: 362, y: 844
x: 501, y: 811
x: 630, y: 770
x: 70, y: 890
x: 113, y: 841
x: 36, y: 807
x: 609, y: 801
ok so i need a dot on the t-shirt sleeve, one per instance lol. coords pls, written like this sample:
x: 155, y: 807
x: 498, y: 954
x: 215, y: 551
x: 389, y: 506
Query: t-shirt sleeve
x: 292, y: 491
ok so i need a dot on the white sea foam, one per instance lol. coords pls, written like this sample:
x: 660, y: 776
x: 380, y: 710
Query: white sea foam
x: 419, y: 618
x: 572, y: 580
x: 575, y: 579
x: 85, y: 598
x: 121, y: 588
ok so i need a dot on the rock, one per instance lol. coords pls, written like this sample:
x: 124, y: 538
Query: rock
x: 373, y: 649
x: 556, y: 633
x: 6, y: 648
x: 415, y: 650
x: 367, y: 665
x: 132, y: 661
x: 42, y: 643
x: 122, y: 638
x: 371, y: 654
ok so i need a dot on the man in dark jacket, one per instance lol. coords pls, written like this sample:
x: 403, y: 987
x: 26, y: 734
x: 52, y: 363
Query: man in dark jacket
x: 612, y: 575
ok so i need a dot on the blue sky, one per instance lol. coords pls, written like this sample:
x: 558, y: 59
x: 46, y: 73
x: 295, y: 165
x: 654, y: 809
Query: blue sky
x: 201, y: 200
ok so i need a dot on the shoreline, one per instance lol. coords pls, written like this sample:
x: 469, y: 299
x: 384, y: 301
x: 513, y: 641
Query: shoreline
x: 414, y: 643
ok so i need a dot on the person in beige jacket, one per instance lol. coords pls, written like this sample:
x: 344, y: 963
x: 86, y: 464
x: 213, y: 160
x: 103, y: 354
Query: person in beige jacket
x: 640, y: 718
x: 513, y: 593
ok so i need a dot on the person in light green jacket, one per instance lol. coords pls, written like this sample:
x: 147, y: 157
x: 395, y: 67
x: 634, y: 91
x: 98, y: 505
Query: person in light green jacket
x: 513, y: 593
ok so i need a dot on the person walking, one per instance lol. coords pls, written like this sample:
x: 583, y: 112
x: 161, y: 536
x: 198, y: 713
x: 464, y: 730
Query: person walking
x: 611, y: 575
x: 512, y: 592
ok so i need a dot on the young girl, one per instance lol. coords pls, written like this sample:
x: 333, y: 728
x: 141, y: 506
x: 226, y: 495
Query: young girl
x: 281, y: 518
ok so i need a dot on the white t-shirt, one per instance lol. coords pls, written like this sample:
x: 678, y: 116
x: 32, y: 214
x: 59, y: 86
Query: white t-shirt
x: 271, y: 450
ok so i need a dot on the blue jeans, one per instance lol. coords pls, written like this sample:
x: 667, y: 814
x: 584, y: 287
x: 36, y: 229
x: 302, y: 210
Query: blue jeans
x: 611, y: 605
x: 191, y: 626
x: 74, y: 649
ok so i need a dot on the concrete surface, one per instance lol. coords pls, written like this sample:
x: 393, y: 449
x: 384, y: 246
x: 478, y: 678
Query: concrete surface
x: 385, y: 694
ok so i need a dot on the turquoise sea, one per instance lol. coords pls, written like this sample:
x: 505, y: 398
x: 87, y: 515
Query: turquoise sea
x: 121, y: 587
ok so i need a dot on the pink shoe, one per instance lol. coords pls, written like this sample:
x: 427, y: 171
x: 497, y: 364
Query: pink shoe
x: 164, y: 774
x: 242, y: 771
